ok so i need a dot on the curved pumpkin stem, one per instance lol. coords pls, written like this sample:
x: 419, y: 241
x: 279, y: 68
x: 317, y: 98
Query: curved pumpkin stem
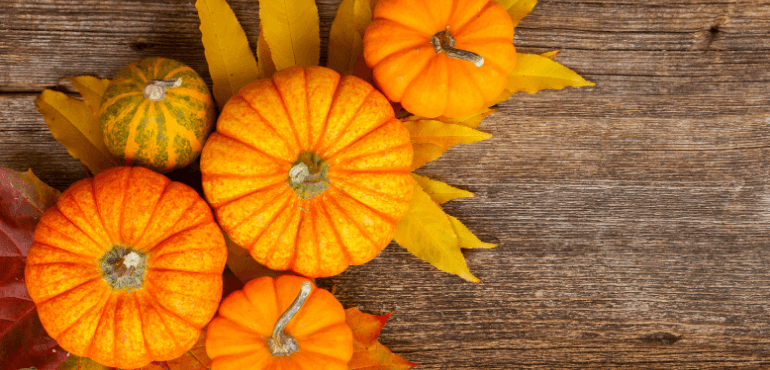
x: 155, y: 90
x: 443, y: 41
x: 280, y: 343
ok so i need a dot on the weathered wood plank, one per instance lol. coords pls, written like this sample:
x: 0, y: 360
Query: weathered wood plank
x: 631, y: 216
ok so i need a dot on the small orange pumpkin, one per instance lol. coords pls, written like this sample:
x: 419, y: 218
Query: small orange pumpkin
x: 283, y: 323
x: 309, y: 171
x: 126, y: 268
x: 440, y: 57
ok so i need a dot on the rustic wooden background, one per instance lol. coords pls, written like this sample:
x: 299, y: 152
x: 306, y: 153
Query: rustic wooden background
x: 631, y: 216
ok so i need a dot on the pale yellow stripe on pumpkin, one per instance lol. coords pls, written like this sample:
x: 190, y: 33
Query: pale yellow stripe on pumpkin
x: 241, y: 122
x: 102, y: 349
x: 280, y: 237
x: 85, y: 294
x: 263, y: 96
x: 159, y: 338
x: 376, y: 226
x: 332, y: 255
x: 57, y: 231
x: 192, y: 297
x: 350, y: 96
x: 357, y: 244
x: 173, y: 128
x: 139, y: 72
x: 321, y: 87
x: 78, y: 337
x: 292, y: 86
x: 130, y: 349
x: 306, y: 258
x: 375, y: 112
x: 132, y: 146
x: 77, y: 205
x: 114, y: 99
x: 246, y: 218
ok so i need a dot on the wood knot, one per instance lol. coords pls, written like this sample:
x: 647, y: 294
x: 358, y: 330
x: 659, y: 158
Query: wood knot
x: 661, y: 338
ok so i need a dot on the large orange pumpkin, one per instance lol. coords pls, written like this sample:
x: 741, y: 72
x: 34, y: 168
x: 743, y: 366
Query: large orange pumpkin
x: 284, y: 323
x: 126, y: 268
x: 309, y: 171
x: 440, y: 57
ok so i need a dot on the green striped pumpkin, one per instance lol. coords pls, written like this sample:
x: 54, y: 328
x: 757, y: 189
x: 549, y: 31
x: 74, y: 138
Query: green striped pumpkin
x: 156, y: 113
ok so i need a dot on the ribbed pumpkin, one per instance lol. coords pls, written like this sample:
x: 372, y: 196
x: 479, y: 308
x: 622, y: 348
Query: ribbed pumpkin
x: 126, y: 268
x: 156, y: 113
x: 440, y: 57
x: 284, y: 323
x: 309, y: 171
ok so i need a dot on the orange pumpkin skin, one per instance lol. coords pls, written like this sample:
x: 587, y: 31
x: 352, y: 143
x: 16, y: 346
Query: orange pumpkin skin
x: 347, y: 132
x: 157, y: 310
x: 237, y: 338
x: 408, y: 69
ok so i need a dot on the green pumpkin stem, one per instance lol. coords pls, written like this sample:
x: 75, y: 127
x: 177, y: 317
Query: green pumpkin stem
x: 155, y: 90
x: 280, y: 343
x: 443, y: 41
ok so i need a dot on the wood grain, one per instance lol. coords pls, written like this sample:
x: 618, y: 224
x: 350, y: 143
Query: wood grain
x: 632, y: 216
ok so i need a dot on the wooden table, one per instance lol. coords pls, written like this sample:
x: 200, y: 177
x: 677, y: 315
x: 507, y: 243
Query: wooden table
x: 632, y: 217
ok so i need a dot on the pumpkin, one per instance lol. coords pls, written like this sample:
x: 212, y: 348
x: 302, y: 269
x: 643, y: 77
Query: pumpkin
x: 126, y: 268
x: 440, y: 58
x: 265, y: 327
x: 156, y: 113
x: 309, y: 171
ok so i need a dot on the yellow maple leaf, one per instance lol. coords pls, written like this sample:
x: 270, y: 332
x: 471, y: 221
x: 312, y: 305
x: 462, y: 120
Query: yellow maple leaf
x: 264, y: 57
x: 431, y: 138
x: 291, y: 31
x: 346, y: 38
x: 368, y: 352
x: 534, y: 73
x: 517, y: 9
x: 73, y: 124
x: 471, y: 121
x: 231, y: 63
x: 465, y: 237
x: 91, y: 89
x: 427, y: 233
x: 439, y: 191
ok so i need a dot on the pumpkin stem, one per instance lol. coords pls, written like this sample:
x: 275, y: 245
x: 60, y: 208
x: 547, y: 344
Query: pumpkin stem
x: 282, y: 344
x: 123, y: 268
x: 443, y: 41
x: 155, y: 90
x: 309, y: 176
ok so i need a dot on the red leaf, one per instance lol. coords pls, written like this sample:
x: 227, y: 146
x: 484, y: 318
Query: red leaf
x: 24, y: 342
x: 368, y: 352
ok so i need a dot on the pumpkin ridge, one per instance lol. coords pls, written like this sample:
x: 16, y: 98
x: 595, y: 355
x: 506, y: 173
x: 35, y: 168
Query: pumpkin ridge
x: 158, y: 306
x: 362, y: 134
x: 152, y: 218
x: 277, y: 159
x: 118, y: 134
x: 148, y: 351
x: 469, y: 72
x: 275, y: 247
x: 87, y: 281
x: 343, y: 211
x: 148, y: 251
x: 247, y: 217
x: 379, y: 193
x: 270, y: 124
x: 347, y: 123
x: 402, y: 25
x: 333, y: 227
x: 491, y: 62
x: 411, y: 74
x: 61, y: 249
x: 113, y: 99
x: 152, y: 215
x: 78, y: 227
x: 353, y: 159
x: 139, y: 72
x: 152, y: 305
x: 292, y: 123
x: 475, y: 18
x: 89, y: 311
x: 314, y: 147
x: 90, y: 351
x: 177, y: 151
